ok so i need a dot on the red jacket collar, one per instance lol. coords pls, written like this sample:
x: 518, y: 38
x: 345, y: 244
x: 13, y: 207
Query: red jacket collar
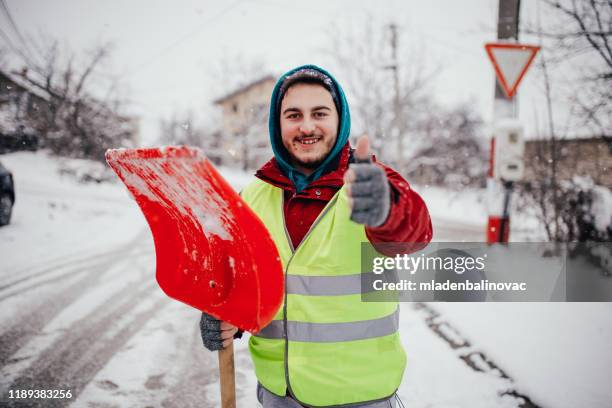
x: 271, y: 173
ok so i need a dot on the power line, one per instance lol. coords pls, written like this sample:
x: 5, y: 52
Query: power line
x: 27, y: 53
x: 10, y: 18
x: 16, y: 50
x: 168, y: 48
x: 8, y: 40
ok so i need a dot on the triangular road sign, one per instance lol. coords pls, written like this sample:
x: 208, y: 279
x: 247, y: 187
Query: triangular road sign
x: 511, y: 61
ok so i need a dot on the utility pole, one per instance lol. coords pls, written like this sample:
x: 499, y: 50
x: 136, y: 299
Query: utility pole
x: 507, y: 29
x: 396, y: 98
x: 498, y: 227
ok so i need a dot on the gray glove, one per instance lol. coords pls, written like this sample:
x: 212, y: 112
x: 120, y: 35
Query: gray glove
x: 210, y: 329
x: 370, y: 194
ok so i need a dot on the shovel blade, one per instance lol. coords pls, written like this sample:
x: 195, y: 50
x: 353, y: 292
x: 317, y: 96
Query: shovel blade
x: 212, y: 252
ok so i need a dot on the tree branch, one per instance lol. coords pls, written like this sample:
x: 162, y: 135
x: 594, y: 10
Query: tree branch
x: 580, y: 20
x: 599, y: 24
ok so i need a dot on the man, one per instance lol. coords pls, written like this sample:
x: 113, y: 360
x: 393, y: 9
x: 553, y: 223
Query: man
x: 320, y: 199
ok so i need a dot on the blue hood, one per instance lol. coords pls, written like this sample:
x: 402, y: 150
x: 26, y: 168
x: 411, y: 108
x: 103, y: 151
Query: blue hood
x: 300, y: 180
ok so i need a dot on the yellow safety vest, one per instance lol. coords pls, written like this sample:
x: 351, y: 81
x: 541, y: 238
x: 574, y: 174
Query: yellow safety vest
x: 326, y: 346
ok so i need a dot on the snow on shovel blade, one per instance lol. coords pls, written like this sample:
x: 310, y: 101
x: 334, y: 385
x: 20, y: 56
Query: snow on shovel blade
x: 213, y: 252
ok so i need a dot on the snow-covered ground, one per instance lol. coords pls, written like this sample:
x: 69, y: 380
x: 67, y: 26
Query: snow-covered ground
x: 558, y: 353
x: 456, y: 216
x: 461, y: 216
x: 55, y: 217
x: 80, y: 310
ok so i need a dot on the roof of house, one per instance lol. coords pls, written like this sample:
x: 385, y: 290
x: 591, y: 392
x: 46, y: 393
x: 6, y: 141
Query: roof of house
x: 25, y: 85
x: 243, y: 89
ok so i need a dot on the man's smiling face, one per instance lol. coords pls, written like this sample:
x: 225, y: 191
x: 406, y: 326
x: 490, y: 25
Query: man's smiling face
x: 308, y: 124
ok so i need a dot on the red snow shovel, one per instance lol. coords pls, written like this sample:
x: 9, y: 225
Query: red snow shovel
x: 213, y: 253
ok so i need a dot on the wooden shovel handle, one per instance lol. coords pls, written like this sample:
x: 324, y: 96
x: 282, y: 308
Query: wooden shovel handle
x: 226, y: 377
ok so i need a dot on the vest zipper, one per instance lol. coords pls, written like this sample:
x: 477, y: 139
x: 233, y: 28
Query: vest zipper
x: 293, y: 251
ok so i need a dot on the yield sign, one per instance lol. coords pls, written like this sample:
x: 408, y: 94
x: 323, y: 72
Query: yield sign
x: 511, y: 61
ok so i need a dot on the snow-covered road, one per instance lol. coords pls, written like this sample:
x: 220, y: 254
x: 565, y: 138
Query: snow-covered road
x: 80, y: 311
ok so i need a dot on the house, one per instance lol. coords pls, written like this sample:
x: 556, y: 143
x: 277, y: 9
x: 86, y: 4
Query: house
x: 590, y: 157
x: 20, y: 97
x: 21, y: 108
x: 26, y: 108
x: 245, y: 119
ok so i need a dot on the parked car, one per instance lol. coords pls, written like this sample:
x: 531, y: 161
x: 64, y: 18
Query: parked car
x: 7, y: 195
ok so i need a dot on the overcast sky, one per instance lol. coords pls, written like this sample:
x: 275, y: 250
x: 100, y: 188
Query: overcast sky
x: 165, y: 50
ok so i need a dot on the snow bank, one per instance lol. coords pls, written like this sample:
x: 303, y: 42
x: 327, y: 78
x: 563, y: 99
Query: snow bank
x: 56, y: 216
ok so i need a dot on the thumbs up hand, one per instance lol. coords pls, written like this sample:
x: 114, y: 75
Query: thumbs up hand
x: 367, y: 188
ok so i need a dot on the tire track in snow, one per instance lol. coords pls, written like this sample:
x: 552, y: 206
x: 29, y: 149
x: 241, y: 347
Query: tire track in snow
x: 30, y: 324
x: 475, y: 359
x: 199, y: 368
x: 81, y: 267
x: 34, y: 323
x: 71, y: 261
x: 26, y: 337
x: 176, y: 372
x: 74, y: 359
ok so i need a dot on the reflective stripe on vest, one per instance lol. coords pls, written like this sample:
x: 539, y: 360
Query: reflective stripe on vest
x: 332, y: 332
x: 326, y: 346
x: 329, y: 285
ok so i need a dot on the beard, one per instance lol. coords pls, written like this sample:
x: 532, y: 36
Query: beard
x: 312, y: 163
x: 313, y: 160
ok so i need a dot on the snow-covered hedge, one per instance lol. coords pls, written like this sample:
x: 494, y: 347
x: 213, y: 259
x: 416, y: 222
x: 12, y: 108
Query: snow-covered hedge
x: 86, y: 171
x: 576, y: 211
x: 593, y: 220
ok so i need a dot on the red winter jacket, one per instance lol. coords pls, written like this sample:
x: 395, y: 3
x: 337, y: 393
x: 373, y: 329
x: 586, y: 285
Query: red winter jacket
x: 408, y: 220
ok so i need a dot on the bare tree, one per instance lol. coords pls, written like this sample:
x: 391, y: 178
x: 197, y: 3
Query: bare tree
x: 183, y: 128
x: 581, y: 34
x: 361, y: 51
x: 235, y: 70
x: 248, y: 144
x: 580, y: 39
x: 82, y: 117
x: 454, y: 155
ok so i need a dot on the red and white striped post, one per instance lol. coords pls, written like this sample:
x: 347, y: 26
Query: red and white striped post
x: 494, y: 206
x: 510, y: 61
